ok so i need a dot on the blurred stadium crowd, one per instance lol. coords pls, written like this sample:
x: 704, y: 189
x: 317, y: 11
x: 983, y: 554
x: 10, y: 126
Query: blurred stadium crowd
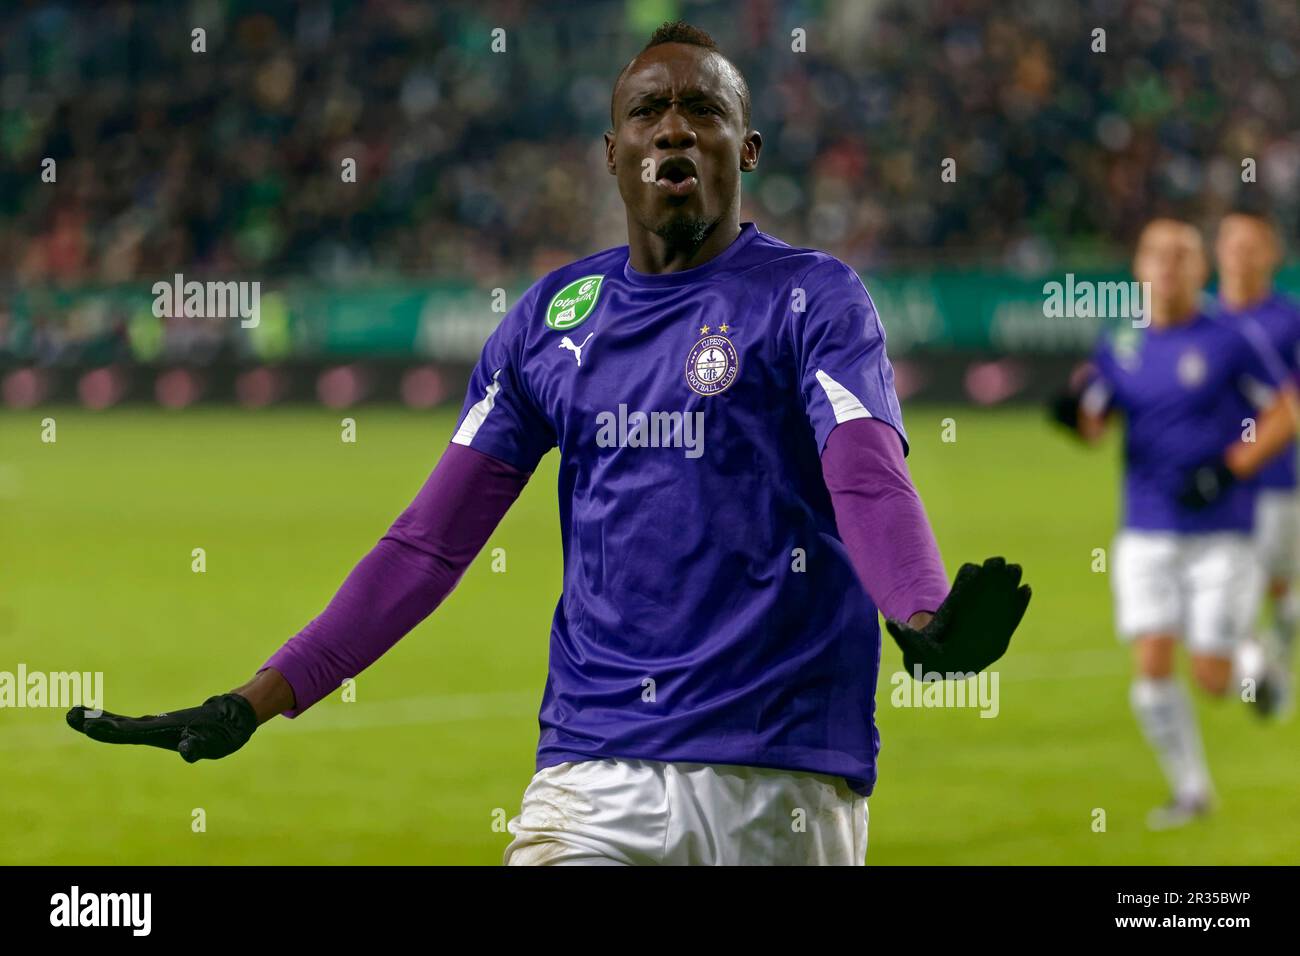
x: 487, y: 167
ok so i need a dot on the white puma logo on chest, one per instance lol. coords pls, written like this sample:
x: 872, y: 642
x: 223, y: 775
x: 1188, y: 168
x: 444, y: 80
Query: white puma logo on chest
x: 567, y: 343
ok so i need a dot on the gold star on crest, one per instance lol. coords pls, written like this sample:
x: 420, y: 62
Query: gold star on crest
x: 704, y: 330
x: 724, y: 328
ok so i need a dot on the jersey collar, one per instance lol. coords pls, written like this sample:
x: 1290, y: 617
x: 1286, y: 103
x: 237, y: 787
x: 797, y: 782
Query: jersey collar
x: 748, y: 231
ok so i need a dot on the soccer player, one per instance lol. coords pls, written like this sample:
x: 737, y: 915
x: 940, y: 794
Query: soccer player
x: 734, y: 509
x: 1206, y: 407
x: 1249, y: 251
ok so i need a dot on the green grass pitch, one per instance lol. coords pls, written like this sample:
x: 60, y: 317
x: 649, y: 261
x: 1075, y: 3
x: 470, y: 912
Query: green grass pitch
x: 95, y: 574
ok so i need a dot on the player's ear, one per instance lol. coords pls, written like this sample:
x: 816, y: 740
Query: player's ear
x: 609, y: 152
x: 750, y: 147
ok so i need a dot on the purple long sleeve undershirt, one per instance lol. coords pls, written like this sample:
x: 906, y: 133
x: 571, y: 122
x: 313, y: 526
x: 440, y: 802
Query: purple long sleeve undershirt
x: 881, y: 519
x: 404, y: 577
x: 428, y: 548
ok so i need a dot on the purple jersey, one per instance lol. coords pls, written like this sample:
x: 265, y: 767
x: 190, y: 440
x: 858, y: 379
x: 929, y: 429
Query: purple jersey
x: 1279, y: 319
x: 1186, y: 393
x: 709, y: 610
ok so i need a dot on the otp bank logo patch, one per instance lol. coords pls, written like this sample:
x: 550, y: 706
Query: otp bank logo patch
x: 573, y: 304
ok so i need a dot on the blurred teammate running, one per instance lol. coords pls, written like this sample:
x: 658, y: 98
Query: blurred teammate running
x: 1248, y: 252
x: 1206, y: 408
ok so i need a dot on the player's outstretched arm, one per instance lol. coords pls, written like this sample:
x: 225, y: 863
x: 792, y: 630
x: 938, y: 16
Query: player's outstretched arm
x: 883, y: 525
x: 394, y: 587
x: 1275, y: 428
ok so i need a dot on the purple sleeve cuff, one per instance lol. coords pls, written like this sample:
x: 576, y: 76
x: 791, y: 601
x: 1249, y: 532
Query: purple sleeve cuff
x: 404, y: 577
x: 881, y: 519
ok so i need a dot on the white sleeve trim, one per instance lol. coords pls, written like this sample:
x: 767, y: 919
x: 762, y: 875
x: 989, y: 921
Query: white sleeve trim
x: 1257, y: 393
x: 844, y: 403
x: 478, y: 413
x: 1095, y: 398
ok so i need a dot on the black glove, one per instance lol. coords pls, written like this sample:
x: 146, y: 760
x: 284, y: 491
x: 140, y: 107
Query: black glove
x: 1064, y: 409
x: 217, y: 729
x: 1206, y: 485
x: 973, y: 625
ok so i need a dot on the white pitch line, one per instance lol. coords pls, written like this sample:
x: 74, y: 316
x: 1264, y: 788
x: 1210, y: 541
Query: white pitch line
x: 495, y: 705
x: 433, y: 709
x: 429, y: 709
x: 1095, y: 663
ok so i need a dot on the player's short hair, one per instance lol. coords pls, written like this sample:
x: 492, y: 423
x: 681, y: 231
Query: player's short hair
x: 1250, y: 203
x: 679, y: 31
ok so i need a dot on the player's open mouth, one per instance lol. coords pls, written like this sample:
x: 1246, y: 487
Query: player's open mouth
x: 677, y: 176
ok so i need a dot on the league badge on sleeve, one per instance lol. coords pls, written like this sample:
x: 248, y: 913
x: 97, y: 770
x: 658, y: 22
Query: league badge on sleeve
x: 712, y: 364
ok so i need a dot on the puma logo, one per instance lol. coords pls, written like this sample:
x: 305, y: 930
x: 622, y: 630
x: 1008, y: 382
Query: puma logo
x: 567, y: 343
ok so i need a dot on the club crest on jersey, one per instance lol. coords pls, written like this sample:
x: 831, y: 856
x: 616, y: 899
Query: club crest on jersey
x: 573, y: 304
x: 1191, y: 368
x: 712, y: 364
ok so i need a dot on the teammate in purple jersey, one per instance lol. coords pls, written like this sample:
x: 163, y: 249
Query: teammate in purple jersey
x: 1206, y: 405
x: 1248, y: 252
x: 734, y: 509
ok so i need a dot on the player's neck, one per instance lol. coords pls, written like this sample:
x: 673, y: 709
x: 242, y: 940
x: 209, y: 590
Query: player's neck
x: 1172, y: 315
x: 651, y: 254
x: 1244, y: 294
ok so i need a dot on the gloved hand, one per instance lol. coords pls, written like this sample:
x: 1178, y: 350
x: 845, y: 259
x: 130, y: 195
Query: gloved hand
x: 1206, y: 484
x: 972, y: 627
x: 217, y: 728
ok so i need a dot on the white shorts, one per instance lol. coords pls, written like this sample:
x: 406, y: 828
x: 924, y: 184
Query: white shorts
x: 637, y: 812
x: 1202, y: 587
x: 1277, y: 532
